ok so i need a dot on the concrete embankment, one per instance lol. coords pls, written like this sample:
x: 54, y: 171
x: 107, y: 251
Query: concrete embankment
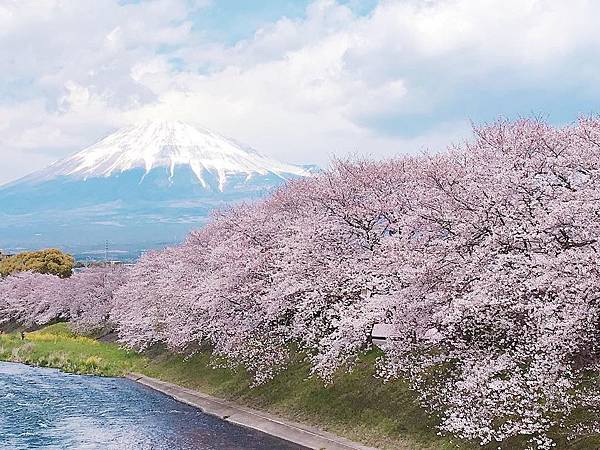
x: 284, y: 429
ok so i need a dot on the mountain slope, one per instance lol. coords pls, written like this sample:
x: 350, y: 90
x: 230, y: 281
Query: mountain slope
x: 141, y: 186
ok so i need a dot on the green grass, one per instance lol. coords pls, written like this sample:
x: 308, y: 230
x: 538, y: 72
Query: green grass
x: 55, y: 346
x: 356, y: 405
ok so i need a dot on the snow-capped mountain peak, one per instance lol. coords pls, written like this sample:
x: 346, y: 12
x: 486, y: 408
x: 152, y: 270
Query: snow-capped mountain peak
x: 161, y: 144
x: 143, y: 186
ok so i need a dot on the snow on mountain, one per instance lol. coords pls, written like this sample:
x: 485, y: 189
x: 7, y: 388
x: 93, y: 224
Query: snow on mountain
x: 169, y: 145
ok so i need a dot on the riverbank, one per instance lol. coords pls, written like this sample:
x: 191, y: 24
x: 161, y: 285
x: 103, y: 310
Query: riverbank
x: 356, y: 406
x: 297, y: 433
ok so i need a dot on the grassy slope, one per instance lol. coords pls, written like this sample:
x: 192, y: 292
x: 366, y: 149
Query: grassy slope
x: 55, y: 346
x: 356, y: 405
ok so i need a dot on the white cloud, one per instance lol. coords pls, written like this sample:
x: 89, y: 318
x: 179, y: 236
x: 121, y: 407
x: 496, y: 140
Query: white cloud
x: 408, y: 76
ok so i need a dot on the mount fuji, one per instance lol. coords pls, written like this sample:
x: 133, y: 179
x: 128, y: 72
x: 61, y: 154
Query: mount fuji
x: 141, y: 187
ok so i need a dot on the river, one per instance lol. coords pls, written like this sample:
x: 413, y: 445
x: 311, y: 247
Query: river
x: 47, y: 409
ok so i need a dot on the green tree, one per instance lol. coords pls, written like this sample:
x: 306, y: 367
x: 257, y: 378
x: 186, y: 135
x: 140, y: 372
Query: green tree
x: 51, y: 261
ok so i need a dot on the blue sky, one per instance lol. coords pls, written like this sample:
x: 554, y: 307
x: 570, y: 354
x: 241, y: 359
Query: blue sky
x: 299, y: 80
x: 232, y: 20
x: 229, y: 20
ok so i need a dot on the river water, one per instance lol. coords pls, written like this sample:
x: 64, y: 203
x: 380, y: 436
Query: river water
x: 47, y: 409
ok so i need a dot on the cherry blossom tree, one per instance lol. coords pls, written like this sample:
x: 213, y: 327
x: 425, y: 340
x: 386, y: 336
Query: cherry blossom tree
x: 497, y: 322
x: 30, y: 299
x: 85, y: 299
x: 88, y: 297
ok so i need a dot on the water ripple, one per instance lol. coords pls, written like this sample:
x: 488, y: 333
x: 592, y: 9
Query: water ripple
x: 47, y: 409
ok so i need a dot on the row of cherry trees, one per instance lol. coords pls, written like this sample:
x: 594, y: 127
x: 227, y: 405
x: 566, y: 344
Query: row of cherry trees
x: 85, y: 299
x: 482, y: 259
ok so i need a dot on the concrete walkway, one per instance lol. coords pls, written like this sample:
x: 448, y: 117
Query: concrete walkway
x: 290, y: 431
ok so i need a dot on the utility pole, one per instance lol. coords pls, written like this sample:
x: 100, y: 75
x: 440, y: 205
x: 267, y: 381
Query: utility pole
x: 106, y: 253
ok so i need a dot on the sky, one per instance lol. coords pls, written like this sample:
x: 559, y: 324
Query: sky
x: 299, y: 80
